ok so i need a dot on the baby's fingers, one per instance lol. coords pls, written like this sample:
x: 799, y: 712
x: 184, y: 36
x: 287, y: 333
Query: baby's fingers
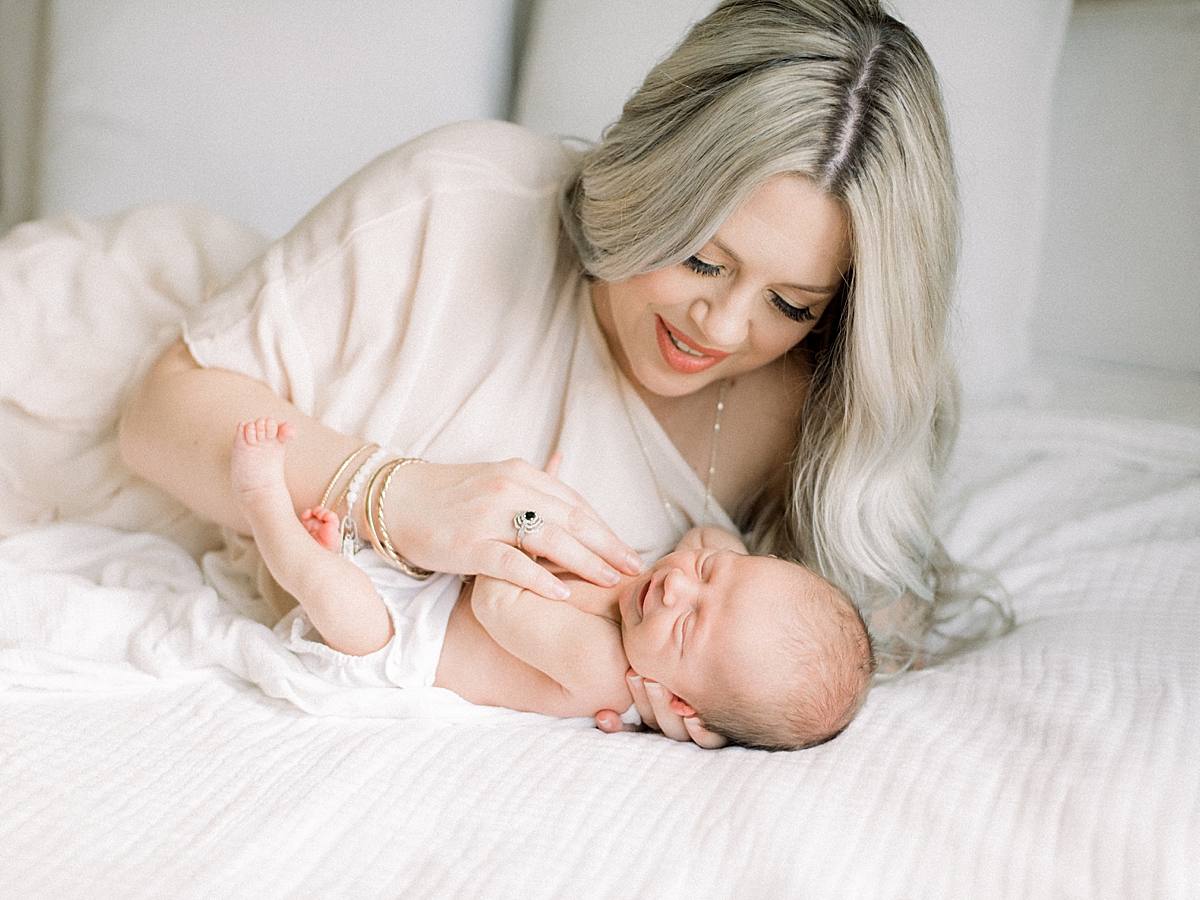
x: 609, y: 722
x: 709, y: 740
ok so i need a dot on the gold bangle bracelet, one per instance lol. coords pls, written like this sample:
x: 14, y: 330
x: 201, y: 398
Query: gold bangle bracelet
x: 325, y: 497
x: 373, y: 509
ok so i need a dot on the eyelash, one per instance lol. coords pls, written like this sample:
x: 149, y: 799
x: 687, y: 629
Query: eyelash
x: 795, y: 313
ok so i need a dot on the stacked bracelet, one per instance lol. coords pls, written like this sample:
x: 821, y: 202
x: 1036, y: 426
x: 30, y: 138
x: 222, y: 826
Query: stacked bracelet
x: 349, y: 531
x: 360, y: 476
x: 341, y: 470
x: 373, y: 513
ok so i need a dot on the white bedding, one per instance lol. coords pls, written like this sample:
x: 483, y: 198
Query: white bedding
x: 1060, y: 761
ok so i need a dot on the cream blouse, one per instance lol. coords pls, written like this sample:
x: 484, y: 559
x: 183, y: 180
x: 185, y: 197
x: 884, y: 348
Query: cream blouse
x: 433, y: 304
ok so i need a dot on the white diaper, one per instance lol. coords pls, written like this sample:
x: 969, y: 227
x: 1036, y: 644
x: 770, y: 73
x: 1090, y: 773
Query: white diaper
x: 420, y: 611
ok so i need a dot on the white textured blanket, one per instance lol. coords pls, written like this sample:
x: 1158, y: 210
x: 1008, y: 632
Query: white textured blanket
x: 145, y: 751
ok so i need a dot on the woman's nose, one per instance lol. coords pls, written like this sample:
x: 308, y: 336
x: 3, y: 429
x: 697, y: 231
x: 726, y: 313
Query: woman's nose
x: 723, y: 316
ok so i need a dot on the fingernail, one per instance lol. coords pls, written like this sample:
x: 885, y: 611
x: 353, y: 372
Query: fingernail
x: 561, y: 591
x: 610, y: 576
x: 635, y: 563
x: 634, y: 679
x: 654, y: 689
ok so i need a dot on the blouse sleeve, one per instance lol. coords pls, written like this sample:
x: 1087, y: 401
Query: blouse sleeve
x: 450, y: 223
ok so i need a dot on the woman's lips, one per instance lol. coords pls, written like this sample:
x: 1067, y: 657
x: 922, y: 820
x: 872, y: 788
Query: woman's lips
x: 677, y: 357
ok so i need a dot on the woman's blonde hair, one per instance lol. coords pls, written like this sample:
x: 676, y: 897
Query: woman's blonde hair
x: 841, y: 93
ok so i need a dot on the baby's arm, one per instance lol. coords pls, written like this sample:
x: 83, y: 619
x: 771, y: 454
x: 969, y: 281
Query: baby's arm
x: 580, y: 651
x: 338, y: 596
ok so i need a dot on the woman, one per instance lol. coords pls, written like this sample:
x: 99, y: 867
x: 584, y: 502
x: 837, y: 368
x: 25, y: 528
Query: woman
x: 747, y: 314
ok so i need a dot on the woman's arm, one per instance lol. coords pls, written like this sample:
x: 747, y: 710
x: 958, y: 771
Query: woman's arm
x: 177, y: 431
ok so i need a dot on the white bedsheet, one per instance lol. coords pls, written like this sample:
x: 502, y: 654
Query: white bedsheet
x: 1060, y: 761
x: 145, y: 750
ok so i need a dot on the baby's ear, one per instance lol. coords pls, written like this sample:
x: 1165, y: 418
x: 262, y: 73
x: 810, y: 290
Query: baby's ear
x: 681, y: 709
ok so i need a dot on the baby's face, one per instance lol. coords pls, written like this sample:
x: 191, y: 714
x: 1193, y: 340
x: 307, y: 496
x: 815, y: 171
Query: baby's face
x: 700, y: 621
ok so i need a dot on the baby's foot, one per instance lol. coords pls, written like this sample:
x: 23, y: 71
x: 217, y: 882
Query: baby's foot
x: 323, y: 524
x: 256, y: 464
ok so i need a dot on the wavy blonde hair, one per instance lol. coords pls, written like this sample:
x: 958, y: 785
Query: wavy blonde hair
x: 841, y: 93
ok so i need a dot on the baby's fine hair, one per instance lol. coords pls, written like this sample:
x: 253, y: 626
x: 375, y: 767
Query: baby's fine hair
x: 828, y: 665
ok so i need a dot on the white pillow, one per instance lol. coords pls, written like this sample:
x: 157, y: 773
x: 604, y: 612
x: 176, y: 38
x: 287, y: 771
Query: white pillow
x: 254, y: 108
x: 583, y: 59
x: 1121, y: 268
x: 996, y: 62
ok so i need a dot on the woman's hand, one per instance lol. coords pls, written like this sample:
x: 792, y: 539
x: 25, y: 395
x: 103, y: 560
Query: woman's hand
x: 654, y: 706
x: 459, y: 518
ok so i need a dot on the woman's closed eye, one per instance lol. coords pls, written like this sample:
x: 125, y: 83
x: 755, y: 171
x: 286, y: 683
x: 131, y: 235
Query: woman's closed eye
x: 793, y: 312
x: 711, y: 270
x: 700, y: 267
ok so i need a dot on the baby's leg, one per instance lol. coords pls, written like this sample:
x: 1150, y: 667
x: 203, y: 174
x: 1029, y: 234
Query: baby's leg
x: 337, y: 595
x: 256, y: 464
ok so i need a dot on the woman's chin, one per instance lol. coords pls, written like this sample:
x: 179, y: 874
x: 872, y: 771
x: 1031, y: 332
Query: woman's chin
x: 663, y: 381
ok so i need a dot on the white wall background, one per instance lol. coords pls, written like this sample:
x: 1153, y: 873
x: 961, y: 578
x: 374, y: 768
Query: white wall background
x: 1078, y: 147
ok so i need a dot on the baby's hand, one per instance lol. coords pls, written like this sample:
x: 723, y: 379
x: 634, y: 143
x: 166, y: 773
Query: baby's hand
x: 323, y: 524
x: 656, y: 705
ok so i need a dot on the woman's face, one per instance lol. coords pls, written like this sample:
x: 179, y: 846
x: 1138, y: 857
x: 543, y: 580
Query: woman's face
x: 746, y: 298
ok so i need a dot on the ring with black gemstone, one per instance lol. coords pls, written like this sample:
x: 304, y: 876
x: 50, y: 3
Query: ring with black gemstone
x: 526, y: 523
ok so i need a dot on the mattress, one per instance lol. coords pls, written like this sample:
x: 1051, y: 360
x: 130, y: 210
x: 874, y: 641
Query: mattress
x: 149, y: 745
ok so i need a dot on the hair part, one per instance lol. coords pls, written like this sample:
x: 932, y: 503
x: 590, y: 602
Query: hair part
x: 839, y: 92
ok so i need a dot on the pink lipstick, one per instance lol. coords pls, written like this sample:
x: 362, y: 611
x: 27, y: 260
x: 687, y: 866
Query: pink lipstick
x: 682, y: 353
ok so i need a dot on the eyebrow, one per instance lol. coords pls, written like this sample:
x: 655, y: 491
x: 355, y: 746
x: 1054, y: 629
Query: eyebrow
x: 807, y: 288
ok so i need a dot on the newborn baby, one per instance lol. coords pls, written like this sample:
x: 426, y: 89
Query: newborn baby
x: 759, y: 649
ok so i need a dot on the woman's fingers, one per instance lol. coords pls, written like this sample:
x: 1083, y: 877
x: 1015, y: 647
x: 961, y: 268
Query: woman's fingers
x: 561, y: 547
x: 654, y: 706
x: 637, y: 689
x: 669, y: 722
x: 709, y: 740
x: 511, y: 565
x: 459, y: 518
x: 581, y: 544
x: 578, y: 520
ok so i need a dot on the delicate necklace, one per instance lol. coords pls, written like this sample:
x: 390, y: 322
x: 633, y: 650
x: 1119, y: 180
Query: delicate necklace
x: 712, y: 452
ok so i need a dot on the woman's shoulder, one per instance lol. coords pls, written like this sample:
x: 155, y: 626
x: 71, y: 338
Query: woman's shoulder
x: 483, y: 152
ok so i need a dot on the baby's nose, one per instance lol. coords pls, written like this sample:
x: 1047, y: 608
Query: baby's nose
x: 677, y: 588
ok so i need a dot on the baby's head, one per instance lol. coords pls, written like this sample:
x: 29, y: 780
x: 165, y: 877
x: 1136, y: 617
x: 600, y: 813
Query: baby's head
x: 761, y: 650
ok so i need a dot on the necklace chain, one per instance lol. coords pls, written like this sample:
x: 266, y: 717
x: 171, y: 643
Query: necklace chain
x: 712, y: 452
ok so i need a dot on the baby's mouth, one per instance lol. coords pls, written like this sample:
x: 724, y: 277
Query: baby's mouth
x: 641, y: 600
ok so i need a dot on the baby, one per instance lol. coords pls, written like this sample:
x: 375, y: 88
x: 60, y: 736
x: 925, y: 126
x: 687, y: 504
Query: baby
x: 760, y: 650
